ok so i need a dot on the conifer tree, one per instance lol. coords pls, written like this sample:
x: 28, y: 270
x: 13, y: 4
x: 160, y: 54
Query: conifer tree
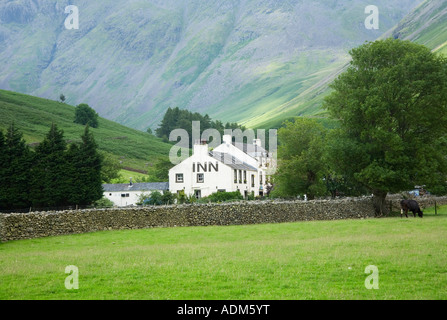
x: 72, y: 175
x: 85, y: 171
x: 49, y: 183
x: 17, y: 160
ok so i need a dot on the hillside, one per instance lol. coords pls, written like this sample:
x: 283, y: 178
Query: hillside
x: 246, y: 61
x: 33, y: 116
x: 426, y: 24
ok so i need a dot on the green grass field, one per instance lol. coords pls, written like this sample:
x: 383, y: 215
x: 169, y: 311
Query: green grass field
x: 292, y: 261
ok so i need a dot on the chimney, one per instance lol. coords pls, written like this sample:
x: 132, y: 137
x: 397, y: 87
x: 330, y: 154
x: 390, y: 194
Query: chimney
x: 228, y: 139
x: 201, y: 148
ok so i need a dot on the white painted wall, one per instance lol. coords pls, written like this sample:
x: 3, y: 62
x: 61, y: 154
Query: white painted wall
x: 134, y: 197
x: 214, y: 181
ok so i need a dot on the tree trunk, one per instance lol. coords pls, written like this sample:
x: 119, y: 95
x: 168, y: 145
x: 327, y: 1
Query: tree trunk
x: 379, y: 203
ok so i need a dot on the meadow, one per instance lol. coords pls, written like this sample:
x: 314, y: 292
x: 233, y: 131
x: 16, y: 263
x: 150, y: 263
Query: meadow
x: 293, y: 261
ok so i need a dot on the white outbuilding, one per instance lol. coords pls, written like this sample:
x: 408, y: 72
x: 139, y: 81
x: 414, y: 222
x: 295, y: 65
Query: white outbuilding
x: 124, y: 195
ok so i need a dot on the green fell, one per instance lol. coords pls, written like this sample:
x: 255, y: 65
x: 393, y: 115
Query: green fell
x: 33, y: 116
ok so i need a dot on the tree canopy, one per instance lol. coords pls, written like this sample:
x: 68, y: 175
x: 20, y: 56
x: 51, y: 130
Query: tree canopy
x: 85, y: 115
x: 176, y: 118
x: 301, y: 164
x: 51, y: 176
x: 392, y: 107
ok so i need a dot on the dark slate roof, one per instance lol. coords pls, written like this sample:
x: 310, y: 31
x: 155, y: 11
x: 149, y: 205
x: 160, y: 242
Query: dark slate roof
x: 136, y: 187
x: 231, y: 161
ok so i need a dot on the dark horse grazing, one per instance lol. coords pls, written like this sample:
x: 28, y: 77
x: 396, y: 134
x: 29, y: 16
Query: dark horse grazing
x: 411, y: 205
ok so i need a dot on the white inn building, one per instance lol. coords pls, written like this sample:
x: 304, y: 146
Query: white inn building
x: 229, y: 167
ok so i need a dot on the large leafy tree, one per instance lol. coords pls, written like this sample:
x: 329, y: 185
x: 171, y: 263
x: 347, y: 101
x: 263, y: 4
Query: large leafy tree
x: 301, y: 159
x: 392, y: 106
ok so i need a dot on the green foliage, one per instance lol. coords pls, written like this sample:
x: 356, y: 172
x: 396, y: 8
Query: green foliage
x: 161, y: 170
x: 392, y: 108
x: 103, y: 203
x: 168, y: 197
x: 156, y: 198
x: 110, y: 168
x: 182, y: 119
x: 302, y: 163
x: 340, y: 185
x: 15, y: 167
x: 49, y: 186
x: 87, y: 164
x: 223, y: 197
x: 52, y: 176
x: 85, y: 115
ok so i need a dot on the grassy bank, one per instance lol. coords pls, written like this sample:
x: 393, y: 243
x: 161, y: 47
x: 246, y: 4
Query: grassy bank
x: 33, y: 116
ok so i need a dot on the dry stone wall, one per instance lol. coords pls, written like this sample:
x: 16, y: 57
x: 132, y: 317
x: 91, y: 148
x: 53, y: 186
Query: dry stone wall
x: 44, y: 224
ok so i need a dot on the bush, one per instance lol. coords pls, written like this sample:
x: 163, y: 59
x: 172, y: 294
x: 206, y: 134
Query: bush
x: 85, y: 115
x: 103, y: 203
x: 156, y: 198
x: 224, y: 196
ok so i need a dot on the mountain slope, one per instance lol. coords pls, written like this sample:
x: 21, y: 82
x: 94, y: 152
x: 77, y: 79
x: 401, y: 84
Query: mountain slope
x: 237, y: 60
x: 426, y: 24
x: 34, y: 116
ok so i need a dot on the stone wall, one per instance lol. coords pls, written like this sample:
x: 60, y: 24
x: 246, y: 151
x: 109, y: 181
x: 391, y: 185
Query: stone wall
x: 44, y: 224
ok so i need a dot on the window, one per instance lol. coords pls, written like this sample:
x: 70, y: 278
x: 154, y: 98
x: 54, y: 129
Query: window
x: 240, y: 176
x: 127, y: 195
x: 245, y: 177
x: 179, y: 178
x: 235, y: 176
x: 200, y: 178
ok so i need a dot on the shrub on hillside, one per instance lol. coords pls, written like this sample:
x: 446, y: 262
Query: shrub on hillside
x: 85, y: 115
